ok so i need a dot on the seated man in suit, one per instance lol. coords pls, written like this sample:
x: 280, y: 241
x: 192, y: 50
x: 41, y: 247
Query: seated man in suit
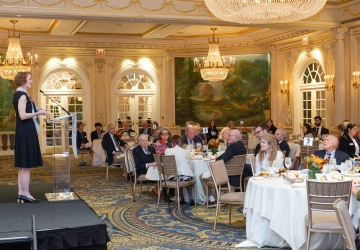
x: 236, y: 147
x: 111, y: 143
x: 260, y: 130
x: 280, y: 135
x: 319, y: 130
x: 190, y: 137
x: 145, y: 128
x: 143, y: 155
x: 96, y: 134
x: 330, y: 145
x: 126, y: 128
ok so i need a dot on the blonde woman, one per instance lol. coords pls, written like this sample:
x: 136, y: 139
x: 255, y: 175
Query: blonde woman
x: 224, y: 135
x: 270, y: 158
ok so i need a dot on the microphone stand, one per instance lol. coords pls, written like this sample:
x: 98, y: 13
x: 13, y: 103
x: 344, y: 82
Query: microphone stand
x: 52, y: 100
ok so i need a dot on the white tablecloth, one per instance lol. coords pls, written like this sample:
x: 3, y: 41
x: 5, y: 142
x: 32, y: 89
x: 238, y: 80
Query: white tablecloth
x: 99, y: 156
x: 275, y: 216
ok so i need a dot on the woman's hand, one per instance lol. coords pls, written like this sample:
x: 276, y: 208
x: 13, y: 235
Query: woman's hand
x: 42, y: 112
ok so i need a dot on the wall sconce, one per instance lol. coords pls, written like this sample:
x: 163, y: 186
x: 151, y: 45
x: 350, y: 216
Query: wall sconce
x: 330, y: 84
x: 356, y: 74
x: 285, y: 89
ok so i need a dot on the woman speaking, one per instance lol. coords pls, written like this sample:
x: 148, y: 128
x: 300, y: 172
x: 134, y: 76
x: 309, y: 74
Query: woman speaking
x: 27, y: 148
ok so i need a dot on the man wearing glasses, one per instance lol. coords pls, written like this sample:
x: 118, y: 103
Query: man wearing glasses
x: 236, y: 147
x: 260, y: 130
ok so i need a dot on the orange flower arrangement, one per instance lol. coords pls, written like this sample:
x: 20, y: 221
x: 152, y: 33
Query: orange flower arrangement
x: 244, y: 131
x: 315, y: 161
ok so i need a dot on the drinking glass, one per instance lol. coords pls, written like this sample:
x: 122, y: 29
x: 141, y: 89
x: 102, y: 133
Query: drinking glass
x: 349, y: 164
x: 357, y: 166
x: 132, y: 134
x: 291, y: 137
x: 198, y: 146
x: 185, y: 146
x: 344, y: 168
x: 332, y: 163
x: 326, y: 169
x: 288, y: 162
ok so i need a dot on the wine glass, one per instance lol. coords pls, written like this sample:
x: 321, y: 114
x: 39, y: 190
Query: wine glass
x: 198, y: 146
x: 344, y: 168
x: 357, y: 166
x: 332, y: 163
x: 291, y: 137
x: 349, y: 164
x: 288, y: 162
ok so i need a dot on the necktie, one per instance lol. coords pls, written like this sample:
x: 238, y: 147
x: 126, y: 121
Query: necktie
x: 147, y: 151
x: 317, y: 131
x: 116, y: 147
x: 145, y: 132
x: 328, y: 155
x: 191, y: 142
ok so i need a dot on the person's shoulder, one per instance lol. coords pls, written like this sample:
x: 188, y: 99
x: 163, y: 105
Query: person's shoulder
x: 341, y: 153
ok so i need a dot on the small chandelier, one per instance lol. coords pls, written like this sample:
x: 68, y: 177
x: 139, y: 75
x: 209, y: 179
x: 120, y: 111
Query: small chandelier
x: 14, y: 61
x: 264, y: 11
x: 214, y: 68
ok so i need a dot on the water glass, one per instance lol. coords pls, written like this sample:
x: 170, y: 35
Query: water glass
x: 326, y: 169
x: 198, y: 146
x: 349, y: 164
x: 332, y: 162
x: 288, y: 162
x: 344, y: 168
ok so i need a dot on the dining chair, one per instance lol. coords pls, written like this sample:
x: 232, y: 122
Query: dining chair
x: 344, y: 218
x: 296, y: 162
x: 82, y: 153
x: 321, y: 195
x: 245, y: 141
x: 107, y: 164
x: 220, y: 177
x: 131, y: 169
x: 234, y: 167
x: 252, y: 164
x: 166, y: 165
x: 29, y: 236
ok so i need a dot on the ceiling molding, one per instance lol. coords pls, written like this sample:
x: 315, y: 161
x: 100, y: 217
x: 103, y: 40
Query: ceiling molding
x: 337, y: 3
x: 217, y: 35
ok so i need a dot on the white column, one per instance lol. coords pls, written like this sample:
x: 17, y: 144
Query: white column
x: 340, y: 96
x: 167, y: 90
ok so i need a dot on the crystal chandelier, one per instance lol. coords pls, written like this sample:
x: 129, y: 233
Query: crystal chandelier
x: 264, y: 11
x: 214, y: 68
x: 14, y: 61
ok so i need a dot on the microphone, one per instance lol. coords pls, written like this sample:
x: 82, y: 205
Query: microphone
x: 67, y: 112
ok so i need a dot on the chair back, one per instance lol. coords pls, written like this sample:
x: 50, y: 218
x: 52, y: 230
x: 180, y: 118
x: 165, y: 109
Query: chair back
x: 253, y: 164
x: 218, y: 173
x: 235, y: 165
x: 322, y: 194
x: 130, y: 161
x: 245, y: 141
x: 342, y: 213
x: 166, y: 165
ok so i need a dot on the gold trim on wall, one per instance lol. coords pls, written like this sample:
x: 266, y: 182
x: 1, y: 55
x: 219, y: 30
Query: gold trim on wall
x: 217, y: 35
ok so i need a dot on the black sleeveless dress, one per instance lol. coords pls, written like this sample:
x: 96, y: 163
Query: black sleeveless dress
x: 27, y: 148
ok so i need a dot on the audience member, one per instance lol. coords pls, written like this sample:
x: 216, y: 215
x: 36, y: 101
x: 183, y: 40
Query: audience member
x: 307, y: 131
x: 164, y: 134
x: 112, y: 145
x: 143, y: 155
x: 212, y: 131
x: 97, y: 133
x: 329, y: 151
x: 231, y: 125
x: 349, y: 143
x: 224, y: 136
x: 270, y: 158
x: 272, y: 129
x: 260, y: 130
x: 280, y: 135
x: 182, y: 158
x: 81, y: 138
x: 145, y: 128
x: 236, y: 147
x: 199, y: 132
x: 319, y: 130
x: 126, y: 128
x: 341, y: 130
x: 190, y: 137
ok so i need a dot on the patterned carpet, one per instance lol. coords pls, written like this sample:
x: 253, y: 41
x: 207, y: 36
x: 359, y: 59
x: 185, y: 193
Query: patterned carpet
x: 140, y: 224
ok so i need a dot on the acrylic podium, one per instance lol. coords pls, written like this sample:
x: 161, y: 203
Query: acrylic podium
x: 61, y: 158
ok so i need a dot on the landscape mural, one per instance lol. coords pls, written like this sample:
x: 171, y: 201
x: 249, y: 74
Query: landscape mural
x: 7, y: 112
x: 243, y: 96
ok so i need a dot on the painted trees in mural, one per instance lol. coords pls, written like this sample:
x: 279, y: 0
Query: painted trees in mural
x: 7, y: 113
x: 243, y: 95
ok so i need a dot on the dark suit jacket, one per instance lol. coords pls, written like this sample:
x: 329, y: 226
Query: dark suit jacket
x: 109, y: 146
x: 78, y: 139
x: 324, y: 131
x: 149, y: 131
x: 272, y: 129
x: 141, y: 159
x: 347, y: 145
x: 197, y: 139
x: 257, y: 149
x: 339, y: 156
x: 236, y: 148
x: 284, y: 146
x: 94, y: 135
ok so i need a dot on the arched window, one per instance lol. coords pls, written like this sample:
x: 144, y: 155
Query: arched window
x: 313, y: 74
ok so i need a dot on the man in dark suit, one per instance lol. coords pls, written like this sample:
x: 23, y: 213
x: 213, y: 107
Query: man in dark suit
x: 190, y: 137
x: 96, y: 134
x: 143, y: 155
x: 319, y: 130
x: 111, y: 143
x: 145, y: 128
x: 260, y: 130
x: 280, y: 135
x: 236, y: 147
x: 126, y: 128
x: 330, y: 145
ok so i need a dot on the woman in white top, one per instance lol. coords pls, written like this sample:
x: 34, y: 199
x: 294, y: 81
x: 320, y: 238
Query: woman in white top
x: 182, y: 158
x: 224, y: 136
x: 270, y: 158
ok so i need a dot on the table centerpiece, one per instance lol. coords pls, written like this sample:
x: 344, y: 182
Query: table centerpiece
x: 315, y: 165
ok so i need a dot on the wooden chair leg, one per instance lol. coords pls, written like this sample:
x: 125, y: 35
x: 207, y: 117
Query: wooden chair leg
x: 107, y: 171
x: 207, y: 197
x: 229, y: 214
x: 134, y: 189
x: 140, y: 188
x: 159, y: 186
x: 216, y: 213
x: 195, y: 193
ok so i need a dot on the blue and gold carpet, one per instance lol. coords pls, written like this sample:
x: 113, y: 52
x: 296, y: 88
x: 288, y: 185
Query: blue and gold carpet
x: 141, y: 224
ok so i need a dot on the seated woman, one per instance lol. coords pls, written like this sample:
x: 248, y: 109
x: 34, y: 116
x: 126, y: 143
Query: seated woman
x: 341, y: 130
x: 164, y: 137
x: 307, y: 131
x: 182, y: 158
x: 224, y: 136
x: 81, y: 138
x: 349, y: 143
x: 271, y: 126
x: 231, y: 125
x: 270, y: 158
x: 198, y: 132
x: 212, y: 131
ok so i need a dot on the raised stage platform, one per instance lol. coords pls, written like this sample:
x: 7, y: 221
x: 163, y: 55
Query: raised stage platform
x: 59, y: 225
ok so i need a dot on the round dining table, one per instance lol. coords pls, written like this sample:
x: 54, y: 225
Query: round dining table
x: 275, y: 213
x: 99, y: 156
